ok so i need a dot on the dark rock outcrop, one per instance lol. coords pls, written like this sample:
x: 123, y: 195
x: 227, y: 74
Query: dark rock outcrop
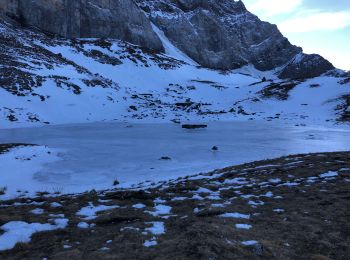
x: 220, y: 34
x: 188, y: 126
x: 306, y: 66
x: 223, y: 34
x: 122, y: 20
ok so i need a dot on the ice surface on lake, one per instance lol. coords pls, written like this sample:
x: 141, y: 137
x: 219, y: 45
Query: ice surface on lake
x: 95, y: 155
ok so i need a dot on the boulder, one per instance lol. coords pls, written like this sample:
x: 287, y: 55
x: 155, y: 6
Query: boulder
x: 188, y: 126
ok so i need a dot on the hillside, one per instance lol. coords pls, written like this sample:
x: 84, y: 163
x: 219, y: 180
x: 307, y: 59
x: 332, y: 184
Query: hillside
x: 50, y: 80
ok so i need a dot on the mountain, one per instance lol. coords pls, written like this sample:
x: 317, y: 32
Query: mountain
x: 223, y: 34
x: 194, y: 60
x: 218, y: 34
x: 85, y: 19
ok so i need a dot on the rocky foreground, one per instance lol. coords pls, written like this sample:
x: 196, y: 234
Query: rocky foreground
x: 295, y: 207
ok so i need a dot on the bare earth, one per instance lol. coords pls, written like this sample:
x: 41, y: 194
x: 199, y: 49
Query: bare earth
x: 295, y: 207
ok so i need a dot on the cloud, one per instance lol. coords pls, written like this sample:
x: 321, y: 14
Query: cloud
x: 316, y: 21
x: 319, y: 26
x: 273, y: 7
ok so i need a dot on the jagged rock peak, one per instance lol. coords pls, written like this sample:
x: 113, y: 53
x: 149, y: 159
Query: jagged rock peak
x: 223, y: 34
x: 305, y: 66
x: 220, y: 34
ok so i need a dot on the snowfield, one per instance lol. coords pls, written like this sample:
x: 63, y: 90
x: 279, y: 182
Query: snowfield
x: 90, y: 80
x: 21, y: 232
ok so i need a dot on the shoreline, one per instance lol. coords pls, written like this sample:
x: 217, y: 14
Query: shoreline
x: 272, y: 208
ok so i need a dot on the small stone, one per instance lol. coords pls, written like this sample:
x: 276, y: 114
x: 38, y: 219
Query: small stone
x: 165, y: 158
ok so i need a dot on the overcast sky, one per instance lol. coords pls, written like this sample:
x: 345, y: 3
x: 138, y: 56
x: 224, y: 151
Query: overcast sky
x: 318, y: 26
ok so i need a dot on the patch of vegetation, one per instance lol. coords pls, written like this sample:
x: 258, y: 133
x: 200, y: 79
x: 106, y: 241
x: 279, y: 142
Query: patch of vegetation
x: 344, y: 109
x: 6, y: 147
x: 102, y: 57
x: 279, y: 91
x: 345, y: 81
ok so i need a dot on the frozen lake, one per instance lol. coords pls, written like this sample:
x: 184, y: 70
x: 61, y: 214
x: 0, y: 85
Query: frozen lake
x: 94, y: 155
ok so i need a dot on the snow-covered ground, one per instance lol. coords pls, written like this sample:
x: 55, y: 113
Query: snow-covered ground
x: 21, y: 232
x: 92, y: 156
x: 19, y: 166
x: 91, y: 81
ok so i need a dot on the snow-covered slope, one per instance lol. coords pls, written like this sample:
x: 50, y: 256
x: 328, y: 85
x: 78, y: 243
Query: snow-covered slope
x: 52, y: 81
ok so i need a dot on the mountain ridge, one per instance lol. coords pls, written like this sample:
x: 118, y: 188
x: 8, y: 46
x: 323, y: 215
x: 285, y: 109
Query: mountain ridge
x: 220, y: 35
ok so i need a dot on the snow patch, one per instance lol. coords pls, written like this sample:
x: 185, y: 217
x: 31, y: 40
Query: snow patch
x: 250, y: 243
x: 170, y: 49
x: 160, y: 210
x: 21, y: 232
x: 157, y: 228
x: 139, y: 206
x: 329, y: 174
x: 37, y: 211
x: 83, y: 225
x: 235, y: 215
x: 243, y: 226
x: 89, y: 212
x: 149, y: 243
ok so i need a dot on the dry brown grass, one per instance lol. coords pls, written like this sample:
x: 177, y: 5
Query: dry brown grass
x: 314, y: 224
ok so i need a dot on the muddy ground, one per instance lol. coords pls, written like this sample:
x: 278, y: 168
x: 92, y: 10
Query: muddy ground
x: 295, y: 207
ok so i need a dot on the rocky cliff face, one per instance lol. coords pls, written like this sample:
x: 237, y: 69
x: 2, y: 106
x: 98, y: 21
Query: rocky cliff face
x: 86, y: 19
x: 223, y: 34
x: 218, y: 34
x: 305, y: 66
